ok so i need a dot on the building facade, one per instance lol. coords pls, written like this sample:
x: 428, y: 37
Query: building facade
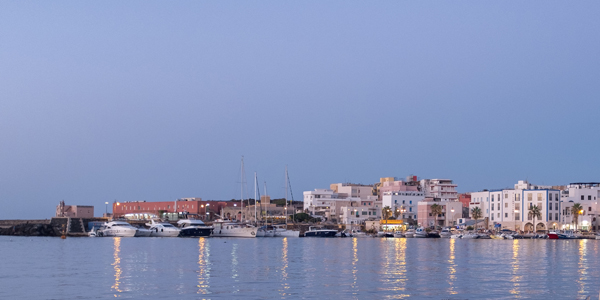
x: 585, y: 194
x: 443, y: 189
x: 74, y: 211
x: 169, y: 210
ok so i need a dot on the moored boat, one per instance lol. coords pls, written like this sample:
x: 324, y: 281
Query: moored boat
x: 224, y: 228
x: 445, y: 233
x: 193, y: 228
x: 409, y: 233
x: 118, y: 229
x: 319, y: 232
x: 420, y: 233
x: 163, y: 229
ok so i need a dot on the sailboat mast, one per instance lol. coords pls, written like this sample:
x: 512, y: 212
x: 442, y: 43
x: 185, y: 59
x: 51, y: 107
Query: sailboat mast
x: 242, y: 192
x: 255, y: 183
x: 286, y: 199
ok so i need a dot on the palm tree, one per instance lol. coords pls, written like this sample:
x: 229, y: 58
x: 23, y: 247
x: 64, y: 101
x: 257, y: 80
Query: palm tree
x: 396, y: 213
x: 576, y: 210
x: 476, y: 215
x: 534, y: 212
x: 386, y: 213
x: 436, y: 210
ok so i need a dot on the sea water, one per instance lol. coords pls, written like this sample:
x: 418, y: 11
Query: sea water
x: 297, y: 268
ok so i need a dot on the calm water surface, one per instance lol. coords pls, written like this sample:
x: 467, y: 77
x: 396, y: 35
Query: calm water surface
x: 270, y: 268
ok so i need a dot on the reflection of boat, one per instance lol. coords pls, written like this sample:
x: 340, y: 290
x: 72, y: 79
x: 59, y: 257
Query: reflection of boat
x: 409, y: 233
x: 193, y: 228
x: 319, y: 232
x: 420, y: 233
x: 163, y: 229
x: 224, y: 228
x: 118, y: 229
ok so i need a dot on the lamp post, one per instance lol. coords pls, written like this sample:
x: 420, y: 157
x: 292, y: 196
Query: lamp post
x: 206, y: 211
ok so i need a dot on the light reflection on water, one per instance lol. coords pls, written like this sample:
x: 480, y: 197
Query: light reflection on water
x: 354, y: 268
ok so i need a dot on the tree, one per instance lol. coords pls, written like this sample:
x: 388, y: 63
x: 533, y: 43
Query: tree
x: 436, y: 210
x: 396, y: 213
x: 476, y: 215
x: 386, y: 213
x: 534, y: 212
x: 576, y: 210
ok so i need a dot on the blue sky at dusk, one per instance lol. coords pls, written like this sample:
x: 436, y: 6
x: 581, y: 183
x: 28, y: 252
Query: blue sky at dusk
x: 149, y: 100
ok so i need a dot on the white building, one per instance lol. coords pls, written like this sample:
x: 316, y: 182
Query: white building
x: 510, y: 207
x: 403, y: 203
x: 328, y: 204
x: 586, y: 194
x: 444, y: 189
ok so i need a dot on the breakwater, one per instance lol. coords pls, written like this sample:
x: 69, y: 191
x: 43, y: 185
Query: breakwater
x: 47, y: 227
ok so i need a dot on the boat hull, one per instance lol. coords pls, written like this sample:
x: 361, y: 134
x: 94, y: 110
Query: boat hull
x: 320, y: 233
x: 195, y: 232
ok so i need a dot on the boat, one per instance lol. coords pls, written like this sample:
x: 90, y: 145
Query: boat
x: 598, y: 236
x: 282, y: 230
x: 225, y: 228
x: 456, y: 236
x: 95, y: 231
x: 484, y: 236
x: 445, y: 233
x: 496, y: 237
x: 193, y: 228
x: 163, y: 229
x: 314, y: 231
x: 265, y: 231
x: 420, y: 233
x: 398, y: 234
x: 409, y: 233
x: 433, y: 234
x: 344, y: 233
x: 358, y: 234
x: 470, y: 235
x: 142, y: 232
x: 118, y: 229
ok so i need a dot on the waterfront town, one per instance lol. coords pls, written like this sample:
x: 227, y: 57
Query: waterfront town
x: 392, y: 204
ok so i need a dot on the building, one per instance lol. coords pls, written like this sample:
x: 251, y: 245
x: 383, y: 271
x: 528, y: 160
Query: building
x: 403, y: 203
x: 169, y: 210
x: 509, y: 208
x: 353, y: 190
x: 341, y: 207
x: 450, y: 215
x: 465, y: 199
x: 444, y: 189
x: 585, y: 194
x: 74, y: 211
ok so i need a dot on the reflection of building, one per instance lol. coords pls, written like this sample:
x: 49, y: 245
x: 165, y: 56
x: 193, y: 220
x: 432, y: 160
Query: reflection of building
x: 74, y: 211
x: 171, y: 210
x: 509, y: 208
x: 585, y: 194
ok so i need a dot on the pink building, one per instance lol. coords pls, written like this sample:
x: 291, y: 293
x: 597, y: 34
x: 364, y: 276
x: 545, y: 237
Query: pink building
x: 465, y: 199
x: 451, y: 212
x: 390, y: 184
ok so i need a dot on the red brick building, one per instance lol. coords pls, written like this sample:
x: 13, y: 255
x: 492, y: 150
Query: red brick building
x: 465, y: 199
x: 171, y: 210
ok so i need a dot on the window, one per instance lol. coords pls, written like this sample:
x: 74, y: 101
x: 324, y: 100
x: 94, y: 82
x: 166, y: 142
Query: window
x: 505, y: 205
x: 582, y: 197
x: 410, y: 209
x: 395, y: 201
x: 517, y: 217
x: 492, y: 217
x: 590, y: 208
x: 492, y: 198
x: 529, y: 197
x: 518, y: 197
x: 529, y: 217
x: 550, y: 217
x: 539, y: 196
x: 498, y: 215
x: 498, y: 206
x: 517, y: 206
x: 589, y: 197
x: 556, y: 216
x: 403, y: 201
x: 492, y: 206
x: 505, y: 196
x: 506, y: 215
x: 550, y: 206
x: 364, y: 213
x: 411, y: 202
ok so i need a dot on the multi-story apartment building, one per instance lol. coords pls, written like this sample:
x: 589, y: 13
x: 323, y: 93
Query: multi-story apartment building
x: 353, y: 190
x: 510, y: 207
x: 451, y: 212
x: 585, y: 194
x: 341, y: 208
x: 403, y: 203
x: 443, y: 189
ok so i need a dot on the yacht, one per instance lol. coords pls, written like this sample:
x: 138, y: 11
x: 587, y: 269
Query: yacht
x: 118, y: 229
x: 163, y: 229
x: 470, y: 235
x: 193, y: 228
x: 398, y: 234
x: 282, y: 231
x: 143, y: 232
x: 420, y: 233
x: 409, y: 233
x: 319, y: 232
x: 265, y: 231
x: 445, y: 233
x: 358, y: 234
x: 223, y: 228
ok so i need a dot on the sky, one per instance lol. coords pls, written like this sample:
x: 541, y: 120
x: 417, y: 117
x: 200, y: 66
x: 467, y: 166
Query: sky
x: 151, y: 100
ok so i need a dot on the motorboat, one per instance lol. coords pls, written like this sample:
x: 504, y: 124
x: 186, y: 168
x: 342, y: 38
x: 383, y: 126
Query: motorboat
x: 118, y: 229
x: 456, y: 236
x: 598, y: 236
x: 193, y: 228
x: 398, y: 234
x: 319, y: 232
x: 265, y: 231
x: 445, y: 233
x: 470, y: 235
x: 143, y: 232
x: 282, y: 231
x: 433, y: 234
x: 344, y: 233
x: 95, y: 231
x: 484, y: 236
x: 163, y: 229
x: 420, y: 233
x: 409, y: 233
x: 225, y: 228
x: 552, y: 235
x: 358, y: 234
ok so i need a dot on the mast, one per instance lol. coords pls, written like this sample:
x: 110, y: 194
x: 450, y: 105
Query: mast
x: 286, y: 199
x: 242, y: 192
x: 266, y: 209
x: 255, y: 218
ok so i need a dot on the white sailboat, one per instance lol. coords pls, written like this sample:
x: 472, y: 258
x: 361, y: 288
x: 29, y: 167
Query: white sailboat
x: 285, y: 232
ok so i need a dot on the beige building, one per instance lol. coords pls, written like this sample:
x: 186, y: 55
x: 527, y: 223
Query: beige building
x: 74, y: 211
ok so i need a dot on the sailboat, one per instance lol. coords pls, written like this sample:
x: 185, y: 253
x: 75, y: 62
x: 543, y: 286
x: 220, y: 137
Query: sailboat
x: 223, y: 228
x: 280, y: 231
